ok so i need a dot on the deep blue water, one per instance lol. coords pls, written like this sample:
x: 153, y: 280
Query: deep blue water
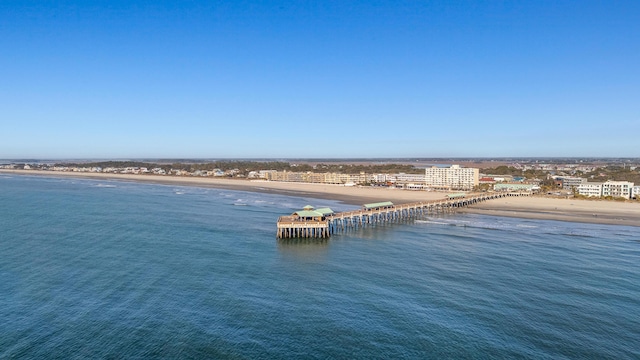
x: 97, y: 269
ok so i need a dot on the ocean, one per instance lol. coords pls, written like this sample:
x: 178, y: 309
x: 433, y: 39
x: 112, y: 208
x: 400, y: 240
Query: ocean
x: 107, y: 269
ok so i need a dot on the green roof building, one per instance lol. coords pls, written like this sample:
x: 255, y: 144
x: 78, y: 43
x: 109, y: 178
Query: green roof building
x: 310, y: 213
x: 378, y: 205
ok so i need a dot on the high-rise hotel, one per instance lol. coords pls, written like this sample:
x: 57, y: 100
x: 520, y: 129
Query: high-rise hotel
x: 453, y: 177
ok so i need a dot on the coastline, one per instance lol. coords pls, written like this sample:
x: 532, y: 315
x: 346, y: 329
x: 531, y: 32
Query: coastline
x: 539, y: 208
x: 351, y: 195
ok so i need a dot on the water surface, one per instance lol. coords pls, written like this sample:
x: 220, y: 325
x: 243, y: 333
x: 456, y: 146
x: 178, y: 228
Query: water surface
x: 94, y: 269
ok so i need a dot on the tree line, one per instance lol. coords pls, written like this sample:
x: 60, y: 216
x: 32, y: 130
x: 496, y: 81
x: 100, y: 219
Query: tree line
x: 244, y: 167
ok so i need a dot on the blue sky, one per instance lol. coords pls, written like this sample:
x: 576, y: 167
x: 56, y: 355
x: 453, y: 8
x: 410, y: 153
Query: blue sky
x: 216, y: 79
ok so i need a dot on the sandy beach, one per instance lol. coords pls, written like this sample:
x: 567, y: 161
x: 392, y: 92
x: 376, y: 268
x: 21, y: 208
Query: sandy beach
x: 586, y: 211
x: 544, y: 208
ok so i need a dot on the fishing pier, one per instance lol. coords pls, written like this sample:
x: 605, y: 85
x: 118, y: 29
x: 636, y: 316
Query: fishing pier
x: 322, y: 223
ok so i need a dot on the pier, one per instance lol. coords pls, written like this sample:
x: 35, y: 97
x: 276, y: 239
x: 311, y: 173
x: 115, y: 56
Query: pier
x: 322, y: 223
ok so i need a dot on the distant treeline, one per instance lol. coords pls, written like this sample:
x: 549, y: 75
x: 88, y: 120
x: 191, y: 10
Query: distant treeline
x: 617, y: 173
x: 502, y: 170
x: 244, y: 167
x: 601, y: 174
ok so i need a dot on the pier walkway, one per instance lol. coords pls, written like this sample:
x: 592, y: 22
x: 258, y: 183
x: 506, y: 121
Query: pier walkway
x: 295, y: 226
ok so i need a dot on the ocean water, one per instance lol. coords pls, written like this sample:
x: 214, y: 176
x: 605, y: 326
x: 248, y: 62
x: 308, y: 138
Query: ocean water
x: 99, y: 269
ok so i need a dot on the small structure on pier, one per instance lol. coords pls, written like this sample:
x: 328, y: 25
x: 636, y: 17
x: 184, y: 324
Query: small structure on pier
x: 378, y: 206
x: 308, y: 213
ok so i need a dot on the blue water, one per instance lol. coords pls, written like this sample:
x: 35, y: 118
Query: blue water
x: 97, y: 269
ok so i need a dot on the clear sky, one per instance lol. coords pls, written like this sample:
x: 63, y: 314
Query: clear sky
x: 291, y: 79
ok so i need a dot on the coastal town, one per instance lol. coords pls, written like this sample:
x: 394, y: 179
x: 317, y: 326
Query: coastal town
x: 578, y: 180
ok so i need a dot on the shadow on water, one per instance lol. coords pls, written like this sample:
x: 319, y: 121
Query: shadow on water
x: 379, y: 231
x: 302, y: 242
x: 303, y: 247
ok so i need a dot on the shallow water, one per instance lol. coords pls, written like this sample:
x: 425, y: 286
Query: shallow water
x: 114, y: 269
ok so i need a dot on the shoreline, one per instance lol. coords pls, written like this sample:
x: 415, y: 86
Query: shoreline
x: 571, y: 210
x: 538, y: 208
x: 350, y: 195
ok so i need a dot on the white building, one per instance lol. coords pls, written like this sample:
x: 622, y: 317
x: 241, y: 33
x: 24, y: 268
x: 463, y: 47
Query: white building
x: 516, y: 187
x: 570, y: 182
x: 635, y: 193
x: 617, y: 189
x: 379, y: 178
x: 410, y: 178
x: 452, y: 178
x: 263, y: 173
x: 590, y: 189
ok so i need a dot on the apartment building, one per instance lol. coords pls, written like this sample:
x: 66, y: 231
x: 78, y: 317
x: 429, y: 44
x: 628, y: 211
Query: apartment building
x: 453, y: 177
x: 623, y: 189
x: 409, y: 178
x: 590, y: 189
x: 569, y: 182
x: 617, y: 189
x: 323, y: 178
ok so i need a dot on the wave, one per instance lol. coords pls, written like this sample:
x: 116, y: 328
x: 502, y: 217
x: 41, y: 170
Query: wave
x: 472, y: 224
x: 525, y: 226
x: 574, y: 234
x: 104, y: 186
x: 432, y: 222
x: 623, y: 234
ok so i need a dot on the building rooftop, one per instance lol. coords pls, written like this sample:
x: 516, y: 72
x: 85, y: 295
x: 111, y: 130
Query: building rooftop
x: 377, y: 205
